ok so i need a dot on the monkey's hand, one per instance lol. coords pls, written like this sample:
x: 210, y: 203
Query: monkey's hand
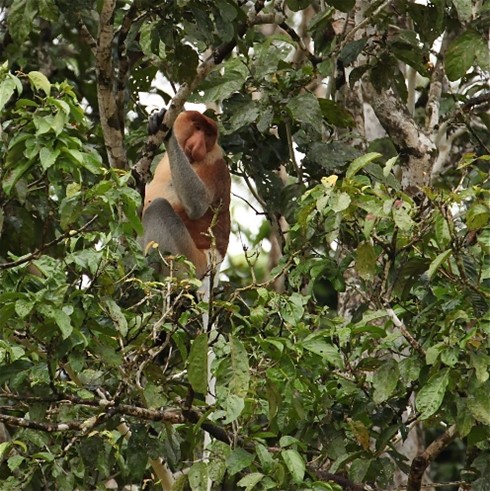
x: 155, y: 123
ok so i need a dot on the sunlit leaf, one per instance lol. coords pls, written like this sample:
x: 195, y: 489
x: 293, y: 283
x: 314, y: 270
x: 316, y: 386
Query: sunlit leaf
x: 40, y: 82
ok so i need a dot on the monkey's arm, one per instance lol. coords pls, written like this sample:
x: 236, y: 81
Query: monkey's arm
x: 195, y: 197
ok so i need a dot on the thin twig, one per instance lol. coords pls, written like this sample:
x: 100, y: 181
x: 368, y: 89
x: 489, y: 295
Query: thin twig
x: 37, y: 252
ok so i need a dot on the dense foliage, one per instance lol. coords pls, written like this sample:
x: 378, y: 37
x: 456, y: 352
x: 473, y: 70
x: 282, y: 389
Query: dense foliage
x: 374, y: 322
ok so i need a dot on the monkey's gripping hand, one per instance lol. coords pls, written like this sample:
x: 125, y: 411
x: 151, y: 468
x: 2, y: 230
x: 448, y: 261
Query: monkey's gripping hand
x: 155, y: 123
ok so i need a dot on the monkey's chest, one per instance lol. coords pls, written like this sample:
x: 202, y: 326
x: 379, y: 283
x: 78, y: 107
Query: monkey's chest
x: 170, y: 194
x: 162, y: 188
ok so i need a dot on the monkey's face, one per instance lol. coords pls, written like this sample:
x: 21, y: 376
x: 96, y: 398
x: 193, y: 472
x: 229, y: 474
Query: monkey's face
x: 195, y: 146
x: 196, y: 134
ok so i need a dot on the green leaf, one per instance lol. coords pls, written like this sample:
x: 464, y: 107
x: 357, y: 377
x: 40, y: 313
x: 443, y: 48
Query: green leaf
x: 240, y: 376
x: 15, y: 174
x: 464, y: 419
x: 437, y: 262
x: 478, y: 216
x: 15, y: 461
x: 7, y: 88
x: 233, y: 406
x: 63, y: 321
x: 48, y: 10
x: 352, y: 50
x: 433, y: 352
x: 20, y: 19
x: 342, y: 5
x: 48, y: 157
x: 360, y: 432
x: 450, y: 356
x: 340, y: 202
x: 480, y: 362
x: 295, y: 464
x: 250, y: 480
x: 359, y: 469
x: 46, y: 456
x: 198, y: 477
x: 431, y: 395
x: 24, y: 306
x: 320, y: 347
x: 197, y: 370
x: 479, y: 404
x: 360, y: 163
x: 219, y: 86
x: 40, y: 82
x: 463, y: 8
x: 462, y: 53
x: 238, y: 460
x: 336, y: 114
x: 217, y: 465
x: 385, y: 380
x: 401, y: 216
x: 305, y: 108
x: 264, y: 456
x: 183, y: 62
x: 296, y: 5
x: 244, y: 116
x: 429, y: 19
x: 442, y: 232
x: 366, y: 259
x: 4, y: 446
x: 292, y: 308
x: 389, y: 166
x: 117, y: 316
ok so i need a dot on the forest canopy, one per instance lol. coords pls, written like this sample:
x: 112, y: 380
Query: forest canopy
x: 348, y: 340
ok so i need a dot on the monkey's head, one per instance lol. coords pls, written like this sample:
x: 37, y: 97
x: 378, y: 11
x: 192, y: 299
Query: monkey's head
x: 196, y: 134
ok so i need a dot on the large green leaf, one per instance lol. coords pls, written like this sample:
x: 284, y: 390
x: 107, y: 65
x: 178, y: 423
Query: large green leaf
x: 295, y: 464
x: 479, y: 404
x: 305, y: 108
x: 430, y: 397
x: 462, y: 53
x: 385, y: 380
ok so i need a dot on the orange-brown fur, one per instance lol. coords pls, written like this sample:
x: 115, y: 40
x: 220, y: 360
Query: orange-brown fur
x: 197, y: 136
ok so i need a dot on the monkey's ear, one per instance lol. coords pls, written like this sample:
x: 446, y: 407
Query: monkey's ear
x: 155, y: 122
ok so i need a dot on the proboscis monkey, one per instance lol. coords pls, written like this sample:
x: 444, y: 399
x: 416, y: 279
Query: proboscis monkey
x: 190, y: 190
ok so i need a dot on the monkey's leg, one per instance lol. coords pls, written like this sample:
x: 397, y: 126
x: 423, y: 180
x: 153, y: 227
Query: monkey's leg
x: 163, y: 226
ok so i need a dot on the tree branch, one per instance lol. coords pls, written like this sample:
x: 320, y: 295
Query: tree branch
x: 107, y: 94
x: 418, y: 150
x: 405, y: 332
x: 110, y: 409
x: 37, y: 252
x: 435, y: 89
x: 420, y: 463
